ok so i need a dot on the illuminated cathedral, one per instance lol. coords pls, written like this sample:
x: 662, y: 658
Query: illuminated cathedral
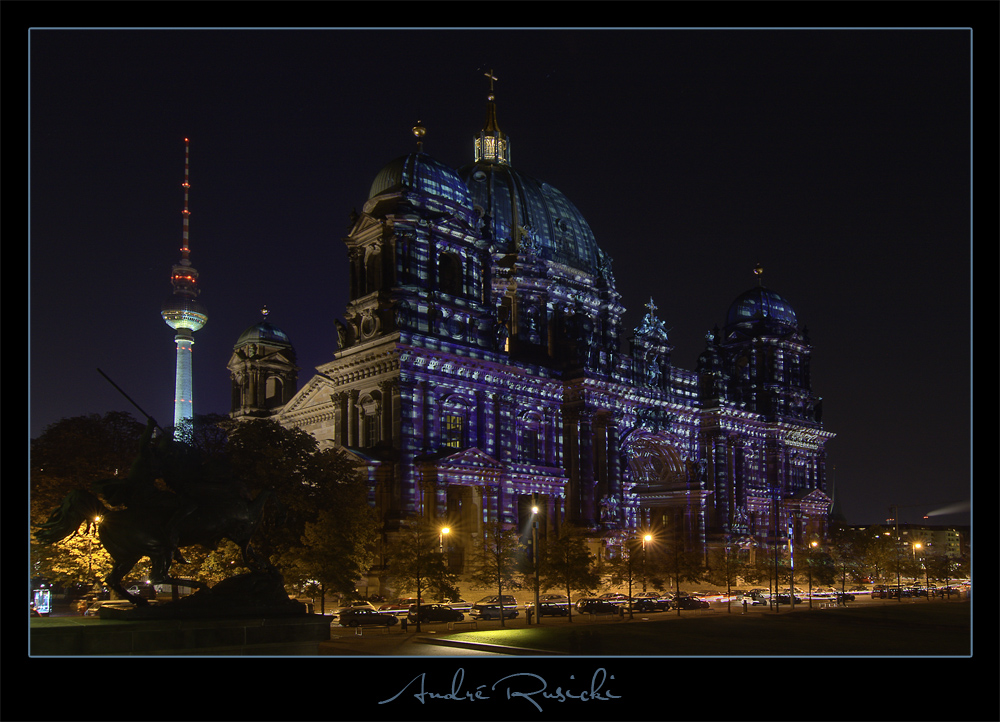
x: 483, y: 369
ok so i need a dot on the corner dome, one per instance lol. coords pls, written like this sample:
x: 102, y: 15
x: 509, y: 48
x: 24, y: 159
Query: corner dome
x: 761, y: 306
x: 422, y: 173
x: 516, y: 205
x: 264, y: 332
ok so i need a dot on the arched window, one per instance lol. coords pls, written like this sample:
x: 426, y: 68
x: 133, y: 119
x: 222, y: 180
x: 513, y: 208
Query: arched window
x: 273, y: 392
x: 373, y: 270
x: 530, y: 438
x: 454, y: 417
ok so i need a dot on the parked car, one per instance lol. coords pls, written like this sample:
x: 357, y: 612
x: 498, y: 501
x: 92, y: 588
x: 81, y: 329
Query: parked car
x: 648, y: 604
x: 690, y: 602
x: 144, y: 590
x: 490, y: 607
x: 94, y: 609
x: 598, y: 606
x: 434, y: 613
x: 755, y: 597
x: 459, y: 605
x: 784, y: 599
x: 363, y: 617
x: 552, y: 609
x: 614, y: 598
x: 649, y: 595
x: 353, y: 605
x: 400, y: 607
x: 493, y: 611
x: 845, y: 597
x: 550, y: 599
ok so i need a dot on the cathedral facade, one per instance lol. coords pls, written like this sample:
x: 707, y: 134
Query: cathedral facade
x: 483, y: 369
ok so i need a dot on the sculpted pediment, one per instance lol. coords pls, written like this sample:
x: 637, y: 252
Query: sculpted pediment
x: 364, y: 227
x: 315, y: 394
x: 812, y: 496
x: 467, y: 460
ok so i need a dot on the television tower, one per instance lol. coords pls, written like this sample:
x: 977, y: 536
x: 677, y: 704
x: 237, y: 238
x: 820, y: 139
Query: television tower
x: 185, y: 315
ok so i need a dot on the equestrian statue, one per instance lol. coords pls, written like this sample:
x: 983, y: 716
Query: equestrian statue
x: 170, y: 499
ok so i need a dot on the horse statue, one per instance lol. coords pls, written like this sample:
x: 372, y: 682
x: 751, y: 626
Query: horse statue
x: 146, y: 519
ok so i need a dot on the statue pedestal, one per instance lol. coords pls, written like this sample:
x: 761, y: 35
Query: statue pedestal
x: 249, y: 614
x: 85, y: 636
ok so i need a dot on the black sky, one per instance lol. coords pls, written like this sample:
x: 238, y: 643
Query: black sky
x: 838, y: 159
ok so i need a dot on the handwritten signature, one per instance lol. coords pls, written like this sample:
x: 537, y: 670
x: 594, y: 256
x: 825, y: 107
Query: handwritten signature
x: 521, y: 685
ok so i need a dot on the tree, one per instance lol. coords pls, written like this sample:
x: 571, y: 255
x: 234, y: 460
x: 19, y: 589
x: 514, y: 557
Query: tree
x: 568, y: 564
x: 725, y: 566
x: 846, y: 551
x: 668, y: 559
x: 415, y: 561
x: 879, y: 553
x: 627, y: 568
x: 496, y: 556
x: 73, y: 453
x: 262, y: 454
x: 336, y: 549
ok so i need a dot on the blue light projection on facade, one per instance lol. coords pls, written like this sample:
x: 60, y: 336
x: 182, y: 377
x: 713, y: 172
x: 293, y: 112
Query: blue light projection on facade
x: 480, y: 371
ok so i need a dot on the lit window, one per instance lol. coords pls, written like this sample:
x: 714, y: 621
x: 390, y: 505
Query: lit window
x: 451, y: 433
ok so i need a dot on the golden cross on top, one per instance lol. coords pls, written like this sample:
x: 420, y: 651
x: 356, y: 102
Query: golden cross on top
x: 651, y: 306
x: 492, y: 77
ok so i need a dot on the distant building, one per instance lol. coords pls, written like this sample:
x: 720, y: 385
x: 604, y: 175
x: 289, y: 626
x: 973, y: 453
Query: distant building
x: 483, y: 368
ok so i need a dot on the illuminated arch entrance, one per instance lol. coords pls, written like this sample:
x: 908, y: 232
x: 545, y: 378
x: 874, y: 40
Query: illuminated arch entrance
x: 667, y: 491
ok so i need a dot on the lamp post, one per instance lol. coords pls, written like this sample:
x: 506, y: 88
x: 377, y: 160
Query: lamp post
x: 809, y: 561
x: 90, y: 551
x: 927, y: 591
x: 628, y: 551
x: 534, y: 553
x: 645, y: 538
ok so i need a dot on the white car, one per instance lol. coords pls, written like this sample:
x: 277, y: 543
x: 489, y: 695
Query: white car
x: 353, y: 605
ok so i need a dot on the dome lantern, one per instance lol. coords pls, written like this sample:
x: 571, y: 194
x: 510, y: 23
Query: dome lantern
x: 491, y: 145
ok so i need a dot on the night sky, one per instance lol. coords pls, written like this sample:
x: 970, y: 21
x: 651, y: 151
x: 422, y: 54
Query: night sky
x: 837, y: 159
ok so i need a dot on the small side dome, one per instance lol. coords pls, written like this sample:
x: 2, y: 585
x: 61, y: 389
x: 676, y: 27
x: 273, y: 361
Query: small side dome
x: 263, y: 332
x: 759, y: 304
x: 421, y: 173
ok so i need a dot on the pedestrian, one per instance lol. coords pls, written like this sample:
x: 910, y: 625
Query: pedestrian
x: 744, y: 605
x: 402, y: 624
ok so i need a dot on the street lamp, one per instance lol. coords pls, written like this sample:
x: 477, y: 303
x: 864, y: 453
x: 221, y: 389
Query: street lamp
x: 441, y: 532
x: 645, y: 538
x: 809, y: 562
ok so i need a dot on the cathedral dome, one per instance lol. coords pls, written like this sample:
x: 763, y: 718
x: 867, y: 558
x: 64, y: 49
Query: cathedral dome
x: 264, y: 332
x: 761, y: 306
x: 422, y: 173
x: 517, y: 206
